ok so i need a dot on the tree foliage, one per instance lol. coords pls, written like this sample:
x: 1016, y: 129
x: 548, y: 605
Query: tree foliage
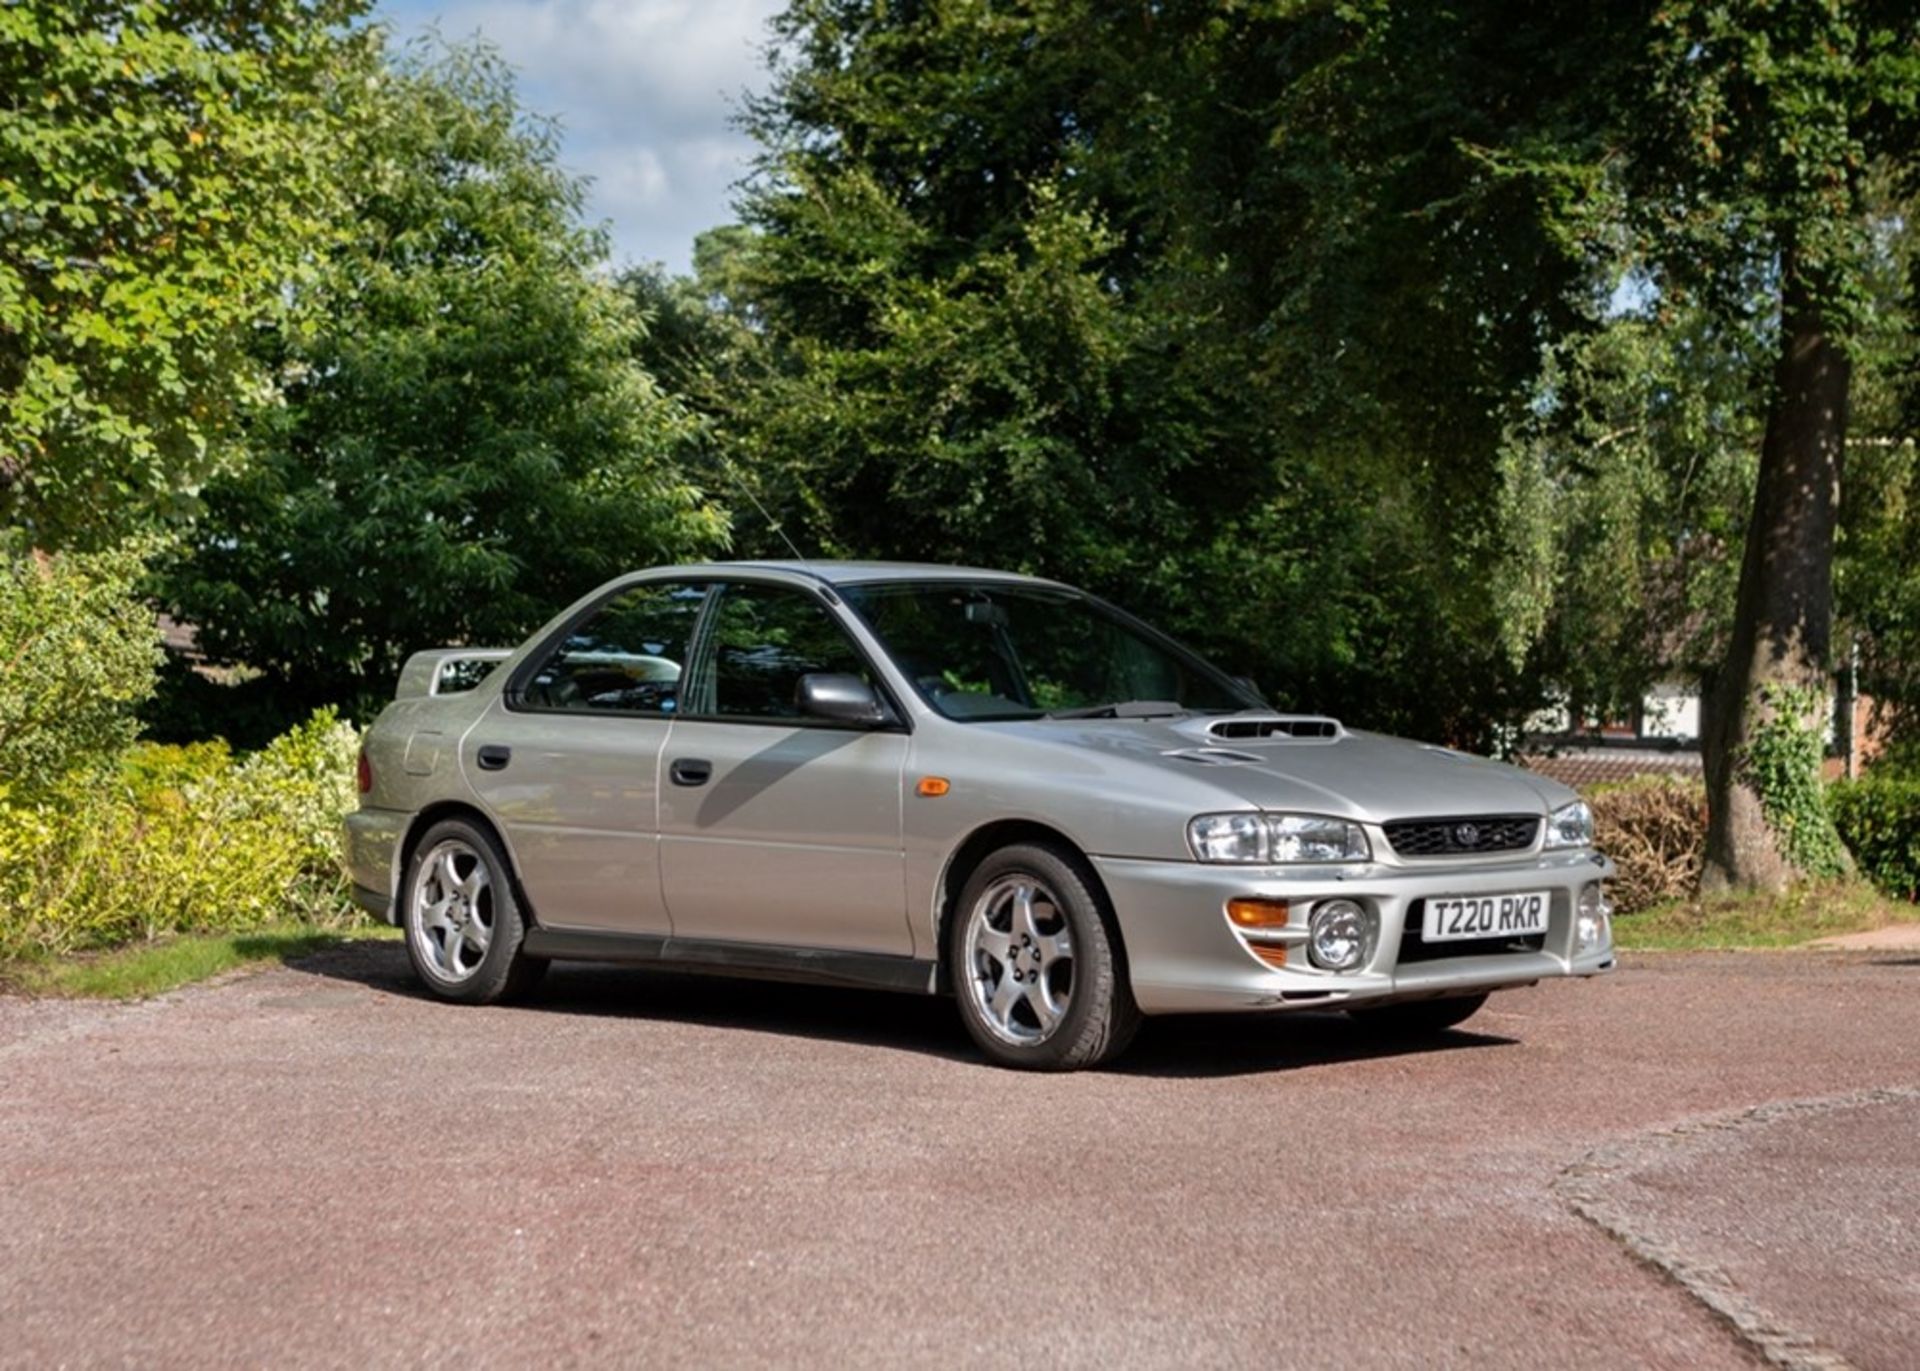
x: 1422, y: 362
x: 1624, y: 486
x: 1222, y: 309
x: 78, y: 650
x: 1769, y: 126
x: 466, y: 442
x: 1416, y: 359
x: 165, y: 176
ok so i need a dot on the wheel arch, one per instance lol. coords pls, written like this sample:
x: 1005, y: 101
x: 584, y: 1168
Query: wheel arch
x: 989, y: 838
x: 454, y: 809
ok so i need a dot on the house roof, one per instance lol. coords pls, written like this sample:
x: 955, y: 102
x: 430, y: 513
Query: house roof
x: 1588, y: 766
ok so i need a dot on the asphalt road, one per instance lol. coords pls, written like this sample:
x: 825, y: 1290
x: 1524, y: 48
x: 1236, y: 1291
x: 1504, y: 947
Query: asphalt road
x: 315, y: 1166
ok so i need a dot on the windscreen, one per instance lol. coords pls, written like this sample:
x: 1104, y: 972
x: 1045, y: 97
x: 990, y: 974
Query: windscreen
x: 983, y: 651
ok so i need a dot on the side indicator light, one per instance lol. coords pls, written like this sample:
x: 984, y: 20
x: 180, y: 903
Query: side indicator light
x: 1273, y: 954
x: 1258, y: 913
x: 933, y: 786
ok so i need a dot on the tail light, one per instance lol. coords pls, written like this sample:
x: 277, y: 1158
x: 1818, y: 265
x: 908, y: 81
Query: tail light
x: 363, y: 774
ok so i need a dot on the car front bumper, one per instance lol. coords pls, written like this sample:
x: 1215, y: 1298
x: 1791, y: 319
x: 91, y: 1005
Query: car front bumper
x: 1184, y: 956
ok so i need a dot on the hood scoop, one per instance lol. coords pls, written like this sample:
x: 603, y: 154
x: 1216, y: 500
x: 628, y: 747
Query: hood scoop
x: 1263, y: 728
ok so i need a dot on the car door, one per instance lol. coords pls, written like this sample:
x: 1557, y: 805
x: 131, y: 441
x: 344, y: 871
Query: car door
x: 776, y: 828
x: 567, y: 760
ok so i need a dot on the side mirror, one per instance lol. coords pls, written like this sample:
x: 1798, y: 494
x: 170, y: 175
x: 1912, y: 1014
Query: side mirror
x: 843, y: 698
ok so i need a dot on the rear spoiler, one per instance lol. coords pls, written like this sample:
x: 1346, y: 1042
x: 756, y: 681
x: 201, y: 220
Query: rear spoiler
x: 447, y: 670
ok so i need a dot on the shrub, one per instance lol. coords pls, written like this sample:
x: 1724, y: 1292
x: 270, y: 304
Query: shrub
x: 1879, y: 820
x: 78, y: 652
x: 177, y: 839
x: 1655, y: 829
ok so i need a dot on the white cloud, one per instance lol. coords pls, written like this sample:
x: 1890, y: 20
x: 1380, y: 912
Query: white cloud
x: 644, y: 91
x: 676, y: 58
x: 630, y: 178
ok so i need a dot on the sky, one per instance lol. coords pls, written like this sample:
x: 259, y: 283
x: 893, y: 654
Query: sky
x: 643, y: 90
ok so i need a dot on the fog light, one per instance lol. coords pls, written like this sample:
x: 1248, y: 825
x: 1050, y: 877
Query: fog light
x: 1340, y: 935
x: 1593, y: 921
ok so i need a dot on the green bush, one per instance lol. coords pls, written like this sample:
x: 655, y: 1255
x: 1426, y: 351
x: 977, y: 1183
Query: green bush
x: 178, y: 839
x: 1879, y: 820
x: 78, y: 652
x: 1655, y: 829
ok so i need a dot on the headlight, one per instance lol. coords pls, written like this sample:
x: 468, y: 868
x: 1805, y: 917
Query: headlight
x: 1570, y: 826
x: 1272, y: 839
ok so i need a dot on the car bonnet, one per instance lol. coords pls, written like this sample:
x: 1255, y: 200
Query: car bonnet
x: 1365, y: 776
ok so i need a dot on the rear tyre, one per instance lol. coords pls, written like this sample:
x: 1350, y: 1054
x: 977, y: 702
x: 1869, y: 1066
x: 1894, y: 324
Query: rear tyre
x: 1420, y: 1018
x: 463, y: 923
x: 1036, y: 965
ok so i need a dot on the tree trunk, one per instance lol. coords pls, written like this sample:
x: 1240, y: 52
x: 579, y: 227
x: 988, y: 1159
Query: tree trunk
x: 1783, y: 620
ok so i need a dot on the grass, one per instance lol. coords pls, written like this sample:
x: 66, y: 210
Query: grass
x: 1743, y: 921
x: 144, y: 969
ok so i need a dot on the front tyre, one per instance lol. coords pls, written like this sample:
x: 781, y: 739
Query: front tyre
x: 1419, y: 1018
x: 463, y: 924
x: 1035, y: 963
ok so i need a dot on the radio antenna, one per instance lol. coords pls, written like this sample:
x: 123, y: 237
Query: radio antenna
x: 773, y: 523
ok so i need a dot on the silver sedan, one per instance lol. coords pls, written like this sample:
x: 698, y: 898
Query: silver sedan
x: 945, y: 780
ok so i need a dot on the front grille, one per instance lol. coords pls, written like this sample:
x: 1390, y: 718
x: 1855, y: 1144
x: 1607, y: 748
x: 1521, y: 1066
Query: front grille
x: 1462, y: 836
x: 1414, y: 948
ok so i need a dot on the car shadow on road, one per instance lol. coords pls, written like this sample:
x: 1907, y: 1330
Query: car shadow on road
x: 1186, y: 1046
x: 1212, y: 1045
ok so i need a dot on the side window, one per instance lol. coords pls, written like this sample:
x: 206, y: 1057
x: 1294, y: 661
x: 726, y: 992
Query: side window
x: 627, y: 655
x: 760, y: 641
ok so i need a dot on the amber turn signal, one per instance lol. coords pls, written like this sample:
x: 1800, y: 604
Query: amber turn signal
x: 932, y: 786
x: 1258, y: 913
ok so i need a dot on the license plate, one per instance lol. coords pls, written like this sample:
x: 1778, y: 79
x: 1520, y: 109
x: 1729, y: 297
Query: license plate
x: 1452, y: 918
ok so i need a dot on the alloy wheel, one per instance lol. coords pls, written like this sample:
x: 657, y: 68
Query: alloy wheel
x: 453, y: 910
x: 1019, y: 960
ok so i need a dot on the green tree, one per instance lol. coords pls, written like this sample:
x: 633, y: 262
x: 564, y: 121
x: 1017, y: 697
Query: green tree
x: 1877, y: 566
x: 78, y: 650
x: 1319, y: 355
x: 1213, y: 307
x: 699, y: 328
x: 1758, y: 140
x: 165, y: 176
x: 1625, y: 482
x: 466, y: 441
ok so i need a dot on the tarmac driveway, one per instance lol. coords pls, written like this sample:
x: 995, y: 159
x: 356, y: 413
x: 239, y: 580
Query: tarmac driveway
x: 315, y: 1166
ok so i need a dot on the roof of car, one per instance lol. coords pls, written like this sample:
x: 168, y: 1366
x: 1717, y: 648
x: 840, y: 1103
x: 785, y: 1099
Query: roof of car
x: 853, y: 573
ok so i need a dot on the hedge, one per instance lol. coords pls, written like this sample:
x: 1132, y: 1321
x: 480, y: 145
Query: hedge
x: 1655, y: 829
x: 1879, y: 820
x: 169, y: 839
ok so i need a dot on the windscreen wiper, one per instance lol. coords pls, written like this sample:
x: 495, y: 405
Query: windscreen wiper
x: 1122, y: 709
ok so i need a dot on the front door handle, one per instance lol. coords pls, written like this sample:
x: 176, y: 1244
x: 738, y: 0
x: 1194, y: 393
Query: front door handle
x: 691, y: 771
x: 494, y: 757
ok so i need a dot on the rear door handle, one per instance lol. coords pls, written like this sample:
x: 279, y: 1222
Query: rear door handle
x: 691, y: 771
x: 494, y: 757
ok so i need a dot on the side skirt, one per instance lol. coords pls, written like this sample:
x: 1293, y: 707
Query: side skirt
x: 811, y: 965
